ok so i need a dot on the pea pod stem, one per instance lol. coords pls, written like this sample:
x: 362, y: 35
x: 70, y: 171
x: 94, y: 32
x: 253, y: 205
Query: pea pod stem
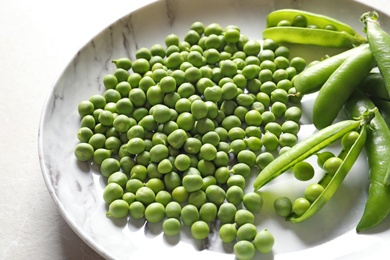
x: 337, y: 179
x: 379, y: 41
x: 304, y: 149
x: 311, y: 36
x: 340, y: 85
x: 377, y: 148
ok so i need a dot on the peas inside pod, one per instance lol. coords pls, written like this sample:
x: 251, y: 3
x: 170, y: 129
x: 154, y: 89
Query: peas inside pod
x: 180, y: 128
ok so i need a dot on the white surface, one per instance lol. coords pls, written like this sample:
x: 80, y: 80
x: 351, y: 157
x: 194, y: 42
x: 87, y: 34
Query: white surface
x: 37, y: 39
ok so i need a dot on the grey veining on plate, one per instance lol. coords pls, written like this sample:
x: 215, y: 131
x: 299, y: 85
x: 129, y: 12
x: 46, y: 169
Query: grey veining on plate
x: 77, y: 189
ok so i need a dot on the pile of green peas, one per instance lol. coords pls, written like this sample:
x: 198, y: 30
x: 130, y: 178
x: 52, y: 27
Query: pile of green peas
x: 179, y: 128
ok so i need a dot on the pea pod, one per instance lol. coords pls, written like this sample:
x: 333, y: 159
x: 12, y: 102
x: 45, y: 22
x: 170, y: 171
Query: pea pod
x: 377, y: 148
x: 340, y: 85
x: 374, y: 86
x: 310, y: 28
x: 379, y: 41
x: 312, y: 78
x: 337, y: 179
x: 304, y: 149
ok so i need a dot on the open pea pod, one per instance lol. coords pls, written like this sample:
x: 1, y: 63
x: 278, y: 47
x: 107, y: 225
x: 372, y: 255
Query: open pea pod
x: 337, y: 179
x: 310, y: 28
x: 304, y: 149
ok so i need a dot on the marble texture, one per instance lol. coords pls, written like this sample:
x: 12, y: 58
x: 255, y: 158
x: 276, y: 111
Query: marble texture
x: 32, y: 225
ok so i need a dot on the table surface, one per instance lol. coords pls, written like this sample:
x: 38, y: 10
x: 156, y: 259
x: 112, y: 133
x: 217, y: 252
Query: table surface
x: 37, y: 39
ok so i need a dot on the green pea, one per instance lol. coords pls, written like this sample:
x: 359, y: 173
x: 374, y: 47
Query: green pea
x: 129, y: 197
x: 111, y: 192
x: 197, y: 198
x: 253, y: 131
x: 133, y: 185
x: 313, y: 191
x: 263, y: 159
x: 205, y: 167
x: 303, y: 171
x: 267, y: 64
x: 300, y: 206
x: 171, y: 226
x: 253, y: 118
x: 109, y: 166
x: 200, y: 229
x: 110, y: 81
x: 119, y: 178
x: 248, y: 157
x: 332, y: 164
x: 278, y: 109
x: 145, y: 195
x: 84, y: 152
x: 215, y: 194
x: 236, y: 180
x: 137, y: 210
x: 118, y: 209
x: 349, y: 139
x: 234, y: 195
x: 100, y: 155
x: 264, y: 241
x: 322, y: 157
x: 287, y: 139
x: 244, y: 250
x: 155, y: 184
x: 180, y: 194
x: 192, y: 182
x: 268, y: 87
x: 291, y: 127
x: 228, y: 232
x: 208, y: 152
x: 252, y: 47
x: 154, y: 212
x: 163, y: 197
x: 208, y: 212
x: 236, y: 133
x: 189, y: 215
x: 222, y: 174
x: 173, y: 210
x: 253, y: 201
x: 241, y: 169
x: 247, y: 232
x: 137, y: 97
x: 270, y: 141
x: 283, y: 206
x: 293, y: 113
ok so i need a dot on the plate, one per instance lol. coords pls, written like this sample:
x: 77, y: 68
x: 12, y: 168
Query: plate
x: 77, y: 188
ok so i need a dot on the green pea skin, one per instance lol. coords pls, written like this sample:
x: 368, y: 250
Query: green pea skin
x: 171, y: 227
x: 246, y: 232
x: 118, y: 209
x: 84, y: 152
x: 155, y: 212
x: 300, y: 206
x: 111, y: 192
x: 137, y: 210
x: 283, y: 206
x: 264, y: 241
x: 228, y: 232
x: 234, y: 195
x: 253, y: 201
x: 244, y: 250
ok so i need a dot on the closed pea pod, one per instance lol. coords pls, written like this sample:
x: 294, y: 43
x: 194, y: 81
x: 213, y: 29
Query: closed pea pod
x: 377, y: 149
x: 353, y: 70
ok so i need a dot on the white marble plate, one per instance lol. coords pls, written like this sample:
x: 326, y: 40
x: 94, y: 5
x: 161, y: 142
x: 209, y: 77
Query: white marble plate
x: 77, y: 189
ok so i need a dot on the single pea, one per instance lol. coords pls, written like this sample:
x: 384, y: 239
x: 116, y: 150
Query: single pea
x: 282, y: 51
x: 155, y: 184
x: 330, y: 27
x: 263, y: 159
x: 349, y: 139
x: 278, y: 109
x: 208, y: 212
x: 247, y: 232
x: 236, y: 180
x: 129, y: 197
x: 111, y: 192
x: 269, y: 44
x: 100, y: 155
x: 264, y: 241
x: 237, y: 145
x: 234, y: 195
x: 109, y: 166
x: 273, y: 127
x: 228, y: 68
x: 300, y: 206
x: 287, y: 139
x: 119, y: 178
x: 164, y: 166
x: 192, y: 182
x: 291, y: 127
x: 145, y: 195
x: 253, y: 131
x: 322, y: 157
x: 158, y: 152
x: 281, y: 62
x: 244, y: 250
x: 180, y: 194
x: 197, y: 198
x: 84, y: 152
x: 137, y: 210
x: 284, y: 149
x: 283, y: 23
x: 253, y: 201
x: 236, y: 133
x: 135, y: 145
x: 252, y: 47
x: 332, y: 164
x: 200, y: 229
x: 110, y: 81
x: 283, y: 206
x: 137, y: 97
x: 268, y: 87
x: 121, y: 74
x: 270, y: 141
x: 313, y: 191
x: 253, y: 143
x: 222, y: 174
x: 241, y: 169
x: 248, y: 157
x: 215, y: 194
x: 173, y: 210
x: 208, y: 152
x: 155, y: 212
x: 267, y: 64
x: 118, y: 209
x: 189, y: 215
x: 192, y: 145
x: 205, y: 167
x: 293, y: 113
x: 303, y: 171
x: 228, y: 232
x: 171, y: 226
x: 133, y: 185
x: 186, y: 89
x: 253, y: 118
